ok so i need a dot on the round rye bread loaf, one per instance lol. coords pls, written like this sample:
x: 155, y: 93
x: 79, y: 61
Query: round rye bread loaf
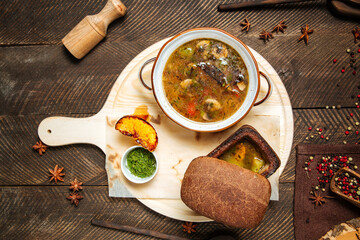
x: 226, y: 193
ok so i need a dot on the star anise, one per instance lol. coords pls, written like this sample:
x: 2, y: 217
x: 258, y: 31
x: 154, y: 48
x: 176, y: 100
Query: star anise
x: 265, y: 35
x: 56, y: 174
x: 74, y: 198
x: 280, y: 27
x: 305, y: 33
x: 75, y: 185
x: 189, y: 227
x: 356, y: 32
x: 40, y: 147
x: 317, y: 199
x: 246, y: 25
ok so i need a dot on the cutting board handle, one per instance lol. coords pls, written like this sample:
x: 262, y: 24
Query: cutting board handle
x: 58, y: 131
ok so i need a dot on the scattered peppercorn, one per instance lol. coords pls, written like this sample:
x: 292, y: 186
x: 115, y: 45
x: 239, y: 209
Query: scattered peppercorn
x: 348, y: 185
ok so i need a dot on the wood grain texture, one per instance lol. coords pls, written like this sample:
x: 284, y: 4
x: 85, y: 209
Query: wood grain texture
x: 47, y: 79
x: 39, y: 78
x: 23, y: 166
x: 47, y: 210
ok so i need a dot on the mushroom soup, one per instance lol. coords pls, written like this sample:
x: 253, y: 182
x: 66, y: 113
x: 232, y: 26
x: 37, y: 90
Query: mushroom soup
x: 205, y: 80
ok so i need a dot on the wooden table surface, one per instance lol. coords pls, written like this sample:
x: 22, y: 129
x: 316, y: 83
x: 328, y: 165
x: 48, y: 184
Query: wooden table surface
x: 39, y: 78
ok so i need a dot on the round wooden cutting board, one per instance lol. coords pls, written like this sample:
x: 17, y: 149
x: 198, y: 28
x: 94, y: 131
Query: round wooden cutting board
x: 56, y: 131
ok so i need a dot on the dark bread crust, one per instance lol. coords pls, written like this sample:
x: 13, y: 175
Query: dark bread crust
x: 250, y: 133
x: 225, y: 192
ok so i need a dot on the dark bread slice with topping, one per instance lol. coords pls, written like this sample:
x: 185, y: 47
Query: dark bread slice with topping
x: 225, y: 192
x: 250, y: 133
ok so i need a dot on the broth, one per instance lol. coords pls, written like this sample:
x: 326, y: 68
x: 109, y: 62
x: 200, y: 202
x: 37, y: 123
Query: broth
x: 205, y: 80
x: 246, y: 155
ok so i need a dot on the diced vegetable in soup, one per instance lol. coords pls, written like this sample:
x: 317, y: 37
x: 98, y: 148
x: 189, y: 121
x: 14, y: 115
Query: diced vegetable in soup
x: 205, y: 80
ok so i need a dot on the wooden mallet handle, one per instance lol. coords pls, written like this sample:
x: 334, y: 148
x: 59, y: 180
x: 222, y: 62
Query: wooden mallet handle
x: 92, y: 29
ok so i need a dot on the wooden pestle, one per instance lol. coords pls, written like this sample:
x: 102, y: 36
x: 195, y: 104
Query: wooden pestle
x: 92, y: 29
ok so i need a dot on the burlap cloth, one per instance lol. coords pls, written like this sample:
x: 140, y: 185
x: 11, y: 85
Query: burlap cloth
x: 310, y: 222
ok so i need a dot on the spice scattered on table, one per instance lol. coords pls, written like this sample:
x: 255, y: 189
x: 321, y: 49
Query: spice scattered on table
x: 56, y: 174
x: 280, y: 27
x: 305, y: 33
x: 40, y: 147
x: 189, y: 227
x: 317, y: 199
x: 348, y: 185
x: 266, y: 36
x: 246, y: 25
x: 76, y: 185
x: 74, y: 198
x: 327, y: 166
x: 356, y: 33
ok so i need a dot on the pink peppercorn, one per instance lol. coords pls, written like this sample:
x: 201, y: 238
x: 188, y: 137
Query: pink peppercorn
x: 347, y: 132
x: 354, y: 72
x: 357, y: 132
x: 310, y: 128
x: 343, y: 70
x: 334, y: 61
x: 351, y: 114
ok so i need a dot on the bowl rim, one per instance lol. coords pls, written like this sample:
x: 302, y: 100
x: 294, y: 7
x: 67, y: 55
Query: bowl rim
x: 126, y: 172
x: 183, y: 124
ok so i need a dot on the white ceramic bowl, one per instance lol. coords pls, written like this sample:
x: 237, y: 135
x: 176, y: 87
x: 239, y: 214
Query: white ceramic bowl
x: 211, y: 33
x: 129, y: 175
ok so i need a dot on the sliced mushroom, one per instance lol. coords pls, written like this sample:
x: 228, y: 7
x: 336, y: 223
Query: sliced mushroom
x: 204, y: 48
x: 241, y: 86
x: 219, y: 51
x: 188, y: 70
x: 212, y: 105
x: 206, y: 116
x: 186, y: 83
x: 202, y: 45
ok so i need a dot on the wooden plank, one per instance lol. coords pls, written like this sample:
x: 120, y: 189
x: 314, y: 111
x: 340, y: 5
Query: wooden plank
x: 46, y: 80
x: 45, y: 209
x: 334, y: 123
x: 22, y: 166
x: 47, y: 22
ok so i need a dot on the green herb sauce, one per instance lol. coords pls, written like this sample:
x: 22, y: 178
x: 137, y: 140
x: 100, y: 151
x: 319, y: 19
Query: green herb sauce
x: 141, y: 162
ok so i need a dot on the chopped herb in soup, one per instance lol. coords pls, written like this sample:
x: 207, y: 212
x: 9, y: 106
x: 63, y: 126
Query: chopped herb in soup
x: 246, y: 155
x: 205, y: 80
